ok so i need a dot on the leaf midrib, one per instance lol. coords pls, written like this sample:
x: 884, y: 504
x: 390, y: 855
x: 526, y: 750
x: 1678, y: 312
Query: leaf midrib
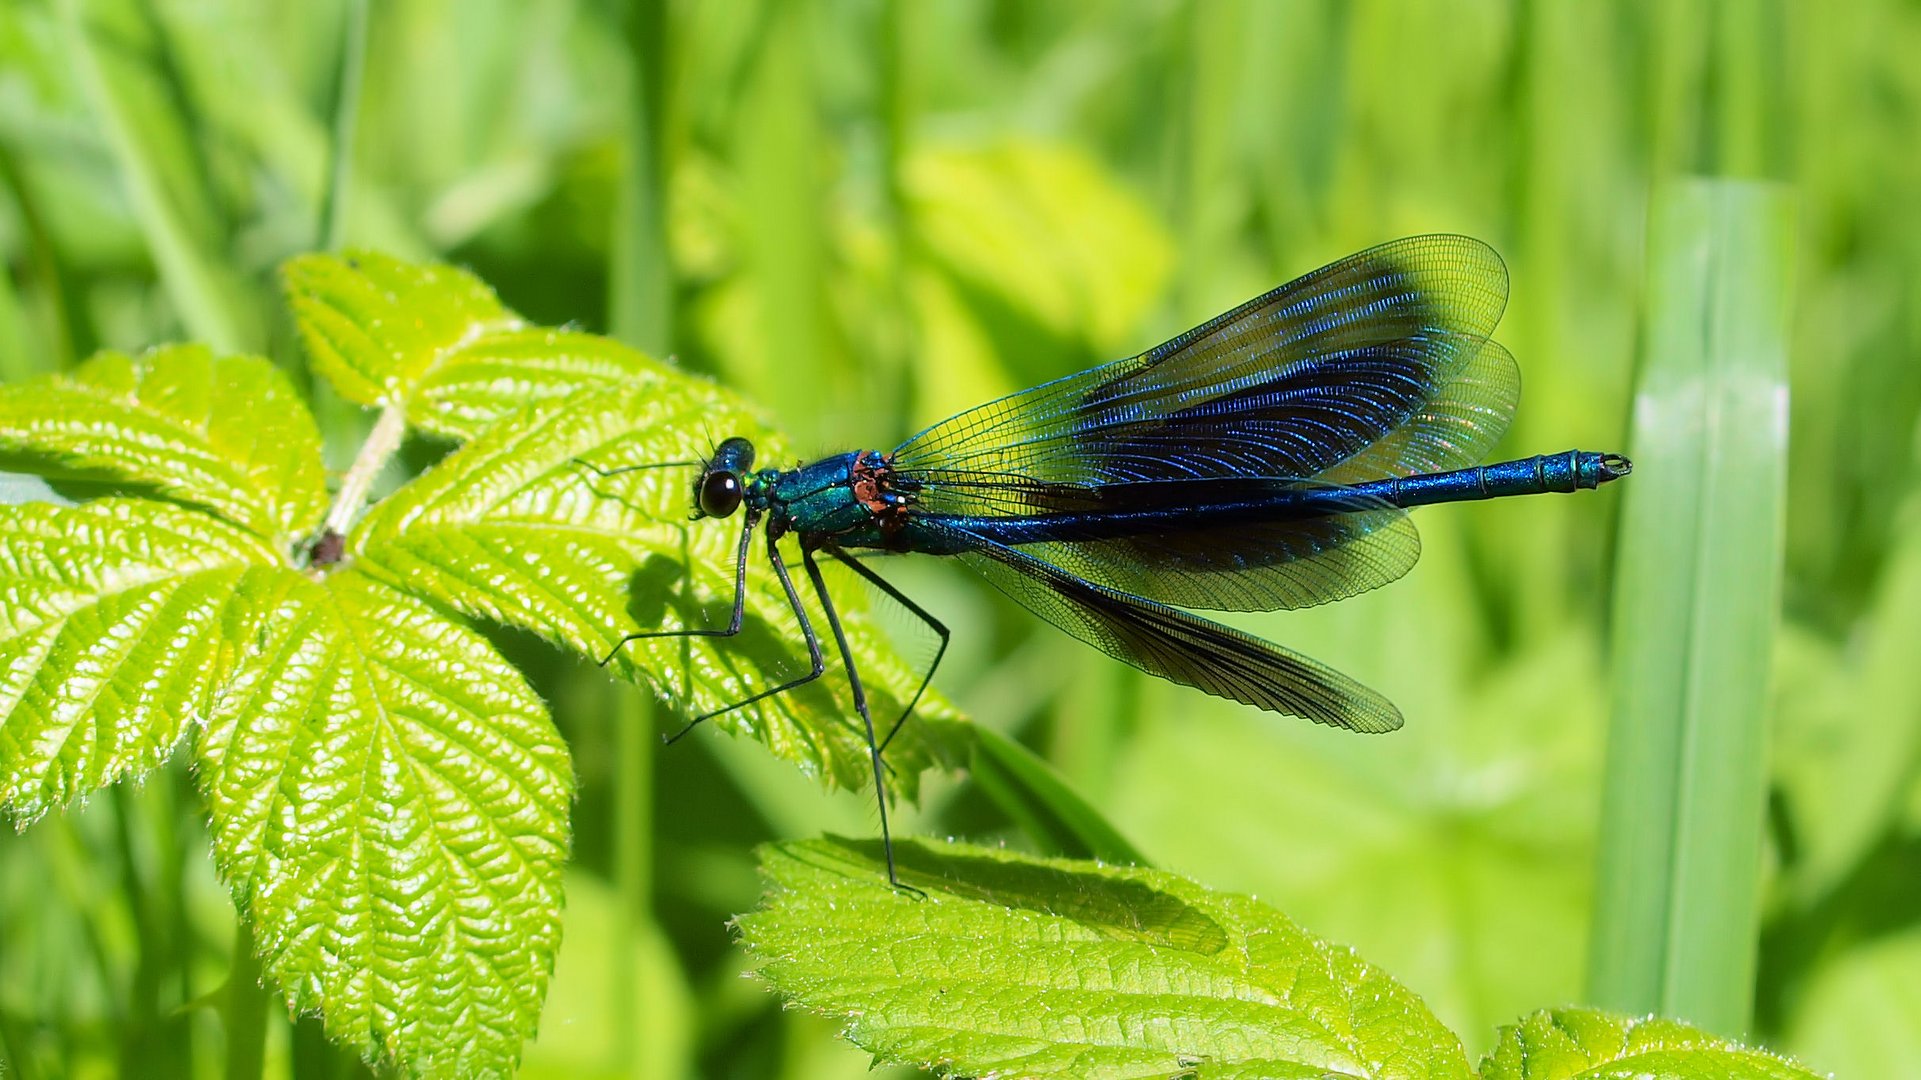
x: 111, y: 765
x: 383, y: 727
x: 974, y: 1026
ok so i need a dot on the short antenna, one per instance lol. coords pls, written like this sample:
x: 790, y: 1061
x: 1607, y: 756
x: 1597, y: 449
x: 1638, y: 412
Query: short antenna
x: 637, y: 468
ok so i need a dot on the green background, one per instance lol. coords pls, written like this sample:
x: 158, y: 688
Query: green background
x: 869, y: 215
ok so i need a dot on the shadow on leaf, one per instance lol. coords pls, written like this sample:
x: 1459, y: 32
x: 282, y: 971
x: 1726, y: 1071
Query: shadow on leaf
x: 1116, y: 908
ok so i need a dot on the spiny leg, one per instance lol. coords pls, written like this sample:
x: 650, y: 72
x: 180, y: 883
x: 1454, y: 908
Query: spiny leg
x: 806, y: 632
x: 867, y: 717
x: 740, y: 602
x: 917, y: 611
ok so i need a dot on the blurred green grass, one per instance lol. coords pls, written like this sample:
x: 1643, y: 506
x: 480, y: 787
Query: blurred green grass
x: 1697, y: 596
x: 871, y: 214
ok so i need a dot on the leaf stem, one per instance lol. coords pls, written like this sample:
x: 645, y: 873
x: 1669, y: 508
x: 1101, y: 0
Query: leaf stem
x: 382, y: 443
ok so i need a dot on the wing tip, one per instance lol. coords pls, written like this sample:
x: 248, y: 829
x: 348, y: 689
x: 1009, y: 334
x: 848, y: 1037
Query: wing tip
x: 1364, y: 715
x: 1388, y: 724
x: 1368, y: 723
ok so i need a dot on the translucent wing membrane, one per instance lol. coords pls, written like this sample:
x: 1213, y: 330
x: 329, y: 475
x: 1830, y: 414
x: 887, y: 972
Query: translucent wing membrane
x: 1454, y: 429
x: 1184, y: 648
x: 1359, y: 355
x: 1262, y: 566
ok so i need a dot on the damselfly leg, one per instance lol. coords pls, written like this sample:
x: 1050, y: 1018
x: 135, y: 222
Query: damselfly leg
x: 938, y: 627
x: 733, y: 623
x: 866, y: 716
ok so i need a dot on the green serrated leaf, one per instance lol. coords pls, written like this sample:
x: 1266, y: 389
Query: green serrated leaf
x: 1019, y: 966
x: 1587, y: 1044
x: 108, y: 637
x: 389, y: 802
x: 497, y: 374
x: 374, y: 325
x: 228, y: 433
x: 438, y: 342
x: 514, y: 528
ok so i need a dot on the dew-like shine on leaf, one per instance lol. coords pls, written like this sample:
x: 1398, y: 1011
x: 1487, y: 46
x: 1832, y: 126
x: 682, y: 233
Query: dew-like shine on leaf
x: 1030, y: 967
x: 389, y: 798
x: 389, y: 802
x: 228, y: 433
x: 110, y: 631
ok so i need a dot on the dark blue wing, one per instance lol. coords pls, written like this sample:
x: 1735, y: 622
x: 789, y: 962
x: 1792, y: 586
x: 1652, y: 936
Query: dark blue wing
x: 1173, y: 644
x: 1378, y: 365
x: 1387, y: 348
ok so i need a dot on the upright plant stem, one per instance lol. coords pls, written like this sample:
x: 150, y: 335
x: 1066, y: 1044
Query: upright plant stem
x: 640, y: 311
x: 18, y: 357
x: 640, y: 305
x: 143, y: 1043
x: 245, y: 1010
x: 633, y: 860
x: 1696, y: 605
x: 346, y: 112
x: 15, y: 1050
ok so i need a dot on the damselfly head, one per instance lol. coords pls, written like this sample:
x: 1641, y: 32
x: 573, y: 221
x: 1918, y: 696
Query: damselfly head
x: 721, y: 486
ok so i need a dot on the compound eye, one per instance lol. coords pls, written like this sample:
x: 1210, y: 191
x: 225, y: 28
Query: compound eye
x: 719, y: 494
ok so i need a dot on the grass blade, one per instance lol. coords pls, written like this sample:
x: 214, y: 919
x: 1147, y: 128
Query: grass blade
x: 346, y: 111
x: 640, y: 302
x: 44, y: 270
x: 191, y: 274
x: 246, y: 1010
x: 1697, y: 603
x: 1203, y: 147
x: 783, y: 212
